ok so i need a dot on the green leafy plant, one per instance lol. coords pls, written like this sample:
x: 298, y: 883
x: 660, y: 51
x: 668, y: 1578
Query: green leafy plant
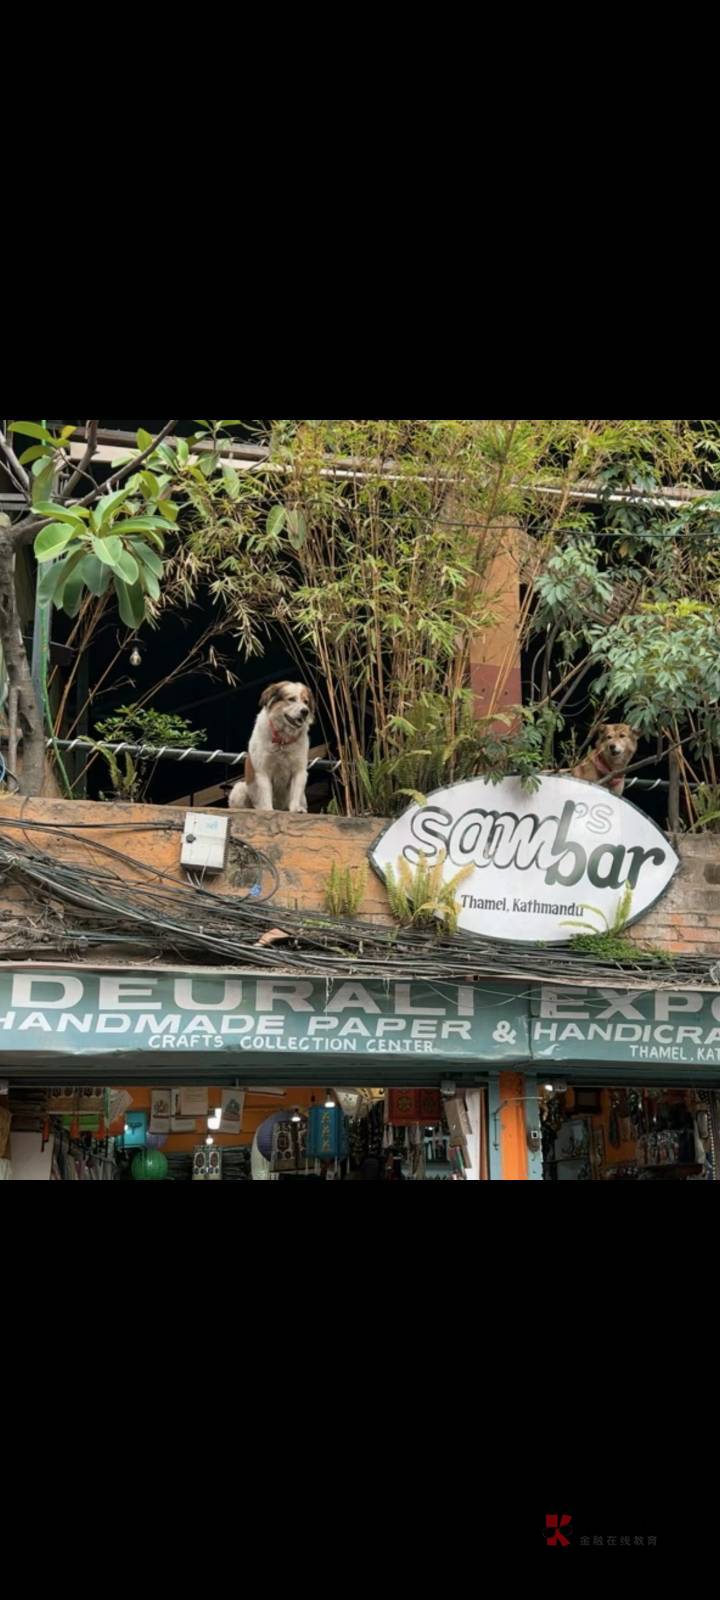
x: 124, y: 774
x: 81, y: 549
x: 141, y: 726
x: 344, y: 889
x: 706, y: 801
x: 434, y: 743
x: 662, y: 664
x: 420, y: 897
x: 525, y: 749
x: 609, y: 943
x: 89, y: 544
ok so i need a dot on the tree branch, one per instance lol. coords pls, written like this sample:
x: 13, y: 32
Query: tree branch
x: 23, y: 532
x: 92, y: 428
x: 18, y: 472
x: 129, y: 466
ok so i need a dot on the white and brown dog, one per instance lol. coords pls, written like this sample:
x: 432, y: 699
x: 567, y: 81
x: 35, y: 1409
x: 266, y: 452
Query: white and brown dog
x: 277, y: 758
x: 607, y: 761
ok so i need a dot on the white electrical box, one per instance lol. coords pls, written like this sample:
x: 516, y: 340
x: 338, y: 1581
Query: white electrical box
x: 205, y: 840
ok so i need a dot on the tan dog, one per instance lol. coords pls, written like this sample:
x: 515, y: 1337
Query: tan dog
x: 277, y: 758
x: 613, y: 752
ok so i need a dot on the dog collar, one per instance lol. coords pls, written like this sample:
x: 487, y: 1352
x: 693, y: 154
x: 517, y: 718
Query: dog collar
x: 277, y: 738
x: 615, y: 778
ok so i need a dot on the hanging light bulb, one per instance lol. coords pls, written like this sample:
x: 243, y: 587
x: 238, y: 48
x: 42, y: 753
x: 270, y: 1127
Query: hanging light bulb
x: 135, y: 657
x: 329, y: 1101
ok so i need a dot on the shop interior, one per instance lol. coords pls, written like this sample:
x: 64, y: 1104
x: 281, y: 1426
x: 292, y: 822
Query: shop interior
x: 198, y: 1132
x: 194, y: 1132
x: 607, y: 1133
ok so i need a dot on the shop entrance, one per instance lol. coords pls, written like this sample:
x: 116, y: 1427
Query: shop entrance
x: 196, y: 1131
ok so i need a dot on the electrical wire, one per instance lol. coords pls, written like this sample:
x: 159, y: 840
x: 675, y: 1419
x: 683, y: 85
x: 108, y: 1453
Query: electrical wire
x: 165, y: 915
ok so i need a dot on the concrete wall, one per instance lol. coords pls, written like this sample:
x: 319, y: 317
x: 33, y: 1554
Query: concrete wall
x: 303, y: 848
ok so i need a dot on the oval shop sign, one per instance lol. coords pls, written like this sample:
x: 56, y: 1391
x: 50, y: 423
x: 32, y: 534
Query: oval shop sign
x: 561, y: 855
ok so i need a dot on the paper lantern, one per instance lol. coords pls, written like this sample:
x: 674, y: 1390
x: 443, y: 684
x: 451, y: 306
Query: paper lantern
x: 264, y: 1134
x: 326, y: 1135
x: 407, y: 1106
x: 259, y: 1167
x: 135, y: 1130
x: 149, y: 1164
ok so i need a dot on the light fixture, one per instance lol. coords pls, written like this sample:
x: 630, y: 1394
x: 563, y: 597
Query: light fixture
x: 296, y: 1117
x: 329, y: 1102
x: 209, y: 1139
x: 214, y: 1117
x: 135, y: 657
x: 127, y: 1128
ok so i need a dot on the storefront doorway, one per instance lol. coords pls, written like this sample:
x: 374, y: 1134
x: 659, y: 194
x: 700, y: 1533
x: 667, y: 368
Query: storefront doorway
x: 197, y: 1131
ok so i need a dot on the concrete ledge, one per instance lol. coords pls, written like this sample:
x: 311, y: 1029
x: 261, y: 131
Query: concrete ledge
x: 301, y: 848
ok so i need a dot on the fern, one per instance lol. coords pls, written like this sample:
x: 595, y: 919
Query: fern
x: 420, y: 897
x: 344, y: 889
x: 124, y: 783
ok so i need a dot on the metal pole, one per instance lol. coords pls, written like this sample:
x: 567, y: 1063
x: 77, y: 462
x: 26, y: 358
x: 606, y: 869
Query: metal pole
x: 532, y: 1125
x: 494, y: 1125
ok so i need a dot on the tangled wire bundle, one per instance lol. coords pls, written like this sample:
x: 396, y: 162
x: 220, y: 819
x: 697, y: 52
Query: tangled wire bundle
x: 158, y: 915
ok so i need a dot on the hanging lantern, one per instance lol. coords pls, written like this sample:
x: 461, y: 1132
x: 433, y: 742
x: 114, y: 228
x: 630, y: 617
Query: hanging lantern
x: 149, y: 1164
x: 407, y: 1106
x: 264, y: 1133
x: 326, y: 1135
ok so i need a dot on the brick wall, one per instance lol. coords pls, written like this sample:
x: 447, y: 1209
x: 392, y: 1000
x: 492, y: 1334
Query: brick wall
x: 687, y: 918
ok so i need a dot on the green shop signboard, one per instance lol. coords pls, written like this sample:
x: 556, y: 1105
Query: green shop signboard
x: 656, y: 1028
x: 81, y: 1012
x: 157, y: 1022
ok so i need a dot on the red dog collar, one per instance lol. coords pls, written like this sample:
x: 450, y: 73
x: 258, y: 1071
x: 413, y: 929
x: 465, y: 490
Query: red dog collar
x: 616, y: 779
x: 277, y: 738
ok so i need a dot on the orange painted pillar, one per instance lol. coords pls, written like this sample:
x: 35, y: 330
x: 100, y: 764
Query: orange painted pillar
x: 511, y: 1124
x: 495, y: 652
